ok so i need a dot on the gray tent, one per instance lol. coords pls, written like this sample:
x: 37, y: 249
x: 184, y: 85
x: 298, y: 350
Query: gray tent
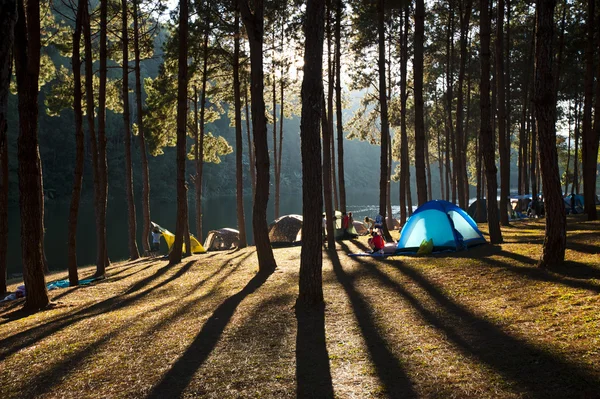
x: 286, y: 230
x: 222, y: 239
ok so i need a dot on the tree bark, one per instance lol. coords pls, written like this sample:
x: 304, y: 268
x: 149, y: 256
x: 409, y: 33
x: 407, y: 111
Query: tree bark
x: 465, y: 17
x: 590, y: 139
x: 501, y: 107
x: 254, y: 27
x: 338, y: 105
x: 101, y: 261
x: 141, y: 132
x: 404, y: 161
x: 199, y: 148
x: 132, y: 244
x: 241, y: 220
x: 311, y: 258
x: 8, y: 19
x: 252, y: 170
x: 79, y: 145
x: 90, y: 111
x: 553, y: 253
x: 27, y: 46
x: 182, y: 81
x: 274, y: 95
x: 574, y: 187
x: 385, y: 126
x: 418, y: 94
x: 327, y: 183
x: 486, y: 132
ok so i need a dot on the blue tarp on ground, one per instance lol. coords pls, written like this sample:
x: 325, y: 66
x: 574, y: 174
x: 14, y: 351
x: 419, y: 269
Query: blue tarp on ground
x: 446, y: 224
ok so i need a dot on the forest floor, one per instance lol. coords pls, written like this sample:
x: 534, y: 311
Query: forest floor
x: 485, y: 323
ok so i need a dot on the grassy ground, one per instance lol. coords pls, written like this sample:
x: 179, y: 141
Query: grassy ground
x: 479, y: 324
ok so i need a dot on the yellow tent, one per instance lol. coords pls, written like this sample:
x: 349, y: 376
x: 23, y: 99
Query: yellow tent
x: 169, y: 237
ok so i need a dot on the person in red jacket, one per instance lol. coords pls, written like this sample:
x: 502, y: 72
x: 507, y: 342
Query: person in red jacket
x: 376, y: 242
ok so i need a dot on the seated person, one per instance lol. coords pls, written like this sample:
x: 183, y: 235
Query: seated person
x: 376, y: 242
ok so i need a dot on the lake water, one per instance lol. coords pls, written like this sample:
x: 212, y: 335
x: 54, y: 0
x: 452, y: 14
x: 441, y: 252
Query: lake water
x: 218, y: 212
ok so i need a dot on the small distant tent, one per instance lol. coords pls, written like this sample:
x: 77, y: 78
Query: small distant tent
x: 448, y: 226
x: 222, y: 239
x: 472, y: 211
x: 169, y: 237
x: 360, y: 228
x: 286, y: 230
x: 576, y: 200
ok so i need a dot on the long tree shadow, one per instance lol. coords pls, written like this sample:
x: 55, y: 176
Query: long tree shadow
x: 179, y: 376
x: 313, y: 376
x: 389, y: 369
x: 25, y: 338
x: 539, y: 373
x: 51, y: 377
x: 537, y: 274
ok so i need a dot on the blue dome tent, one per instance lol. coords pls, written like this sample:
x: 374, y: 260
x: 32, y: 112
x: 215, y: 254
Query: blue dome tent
x: 446, y: 224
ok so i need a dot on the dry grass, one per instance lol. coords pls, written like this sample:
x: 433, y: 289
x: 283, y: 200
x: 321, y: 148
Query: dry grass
x: 481, y: 324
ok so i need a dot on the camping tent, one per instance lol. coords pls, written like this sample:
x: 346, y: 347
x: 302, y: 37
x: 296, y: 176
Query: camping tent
x: 446, y: 224
x: 286, y: 230
x: 360, y: 228
x: 169, y: 237
x: 392, y: 224
x: 472, y: 210
x: 222, y: 239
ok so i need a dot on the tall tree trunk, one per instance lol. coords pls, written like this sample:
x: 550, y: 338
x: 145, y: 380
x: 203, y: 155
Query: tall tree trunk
x: 274, y: 95
x: 449, y: 95
x: 465, y: 17
x: 385, y: 127
x: 568, y: 151
x: 327, y: 183
x: 8, y: 19
x: 239, y: 176
x: 133, y: 249
x: 101, y: 261
x: 561, y: 46
x: 281, y: 111
x: 327, y: 135
x: 501, y: 107
x: 199, y: 154
x: 27, y: 46
x: 487, y: 134
x: 428, y: 166
x: 141, y: 131
x: 590, y: 138
x: 252, y: 170
x: 523, y: 136
x: 182, y: 81
x: 418, y: 93
x: 254, y: 27
x: 404, y: 161
x: 311, y: 258
x: 79, y: 145
x: 330, y: 88
x: 90, y: 108
x: 338, y: 104
x: 553, y: 253
x: 574, y: 187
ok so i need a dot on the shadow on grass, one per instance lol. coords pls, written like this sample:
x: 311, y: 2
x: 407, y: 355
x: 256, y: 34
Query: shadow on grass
x: 536, y: 372
x: 313, y: 376
x: 45, y: 380
x: 179, y: 376
x: 28, y: 337
x: 389, y: 369
x: 575, y: 272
